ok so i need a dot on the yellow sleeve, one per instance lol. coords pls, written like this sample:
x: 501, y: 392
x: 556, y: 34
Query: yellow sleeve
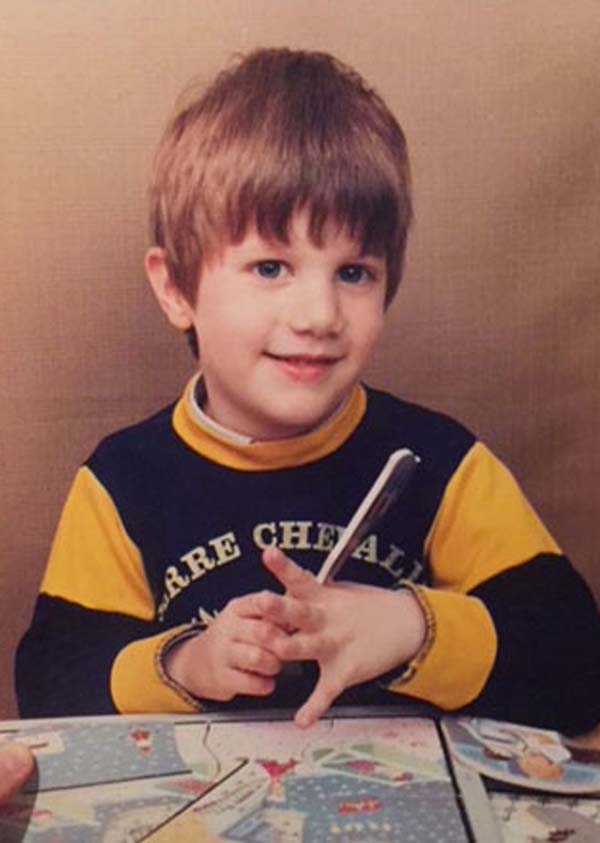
x: 93, y: 562
x: 484, y: 526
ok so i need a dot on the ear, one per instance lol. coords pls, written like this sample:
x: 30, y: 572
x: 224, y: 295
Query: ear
x: 174, y: 304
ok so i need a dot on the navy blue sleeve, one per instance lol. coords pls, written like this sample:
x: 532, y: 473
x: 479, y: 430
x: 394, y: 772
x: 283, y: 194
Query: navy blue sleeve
x: 547, y: 670
x: 64, y: 660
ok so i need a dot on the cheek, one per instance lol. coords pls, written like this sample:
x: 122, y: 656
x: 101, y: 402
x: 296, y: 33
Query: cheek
x: 231, y: 329
x: 369, y: 327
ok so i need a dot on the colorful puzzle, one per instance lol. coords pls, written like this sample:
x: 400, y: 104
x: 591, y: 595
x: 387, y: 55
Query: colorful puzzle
x: 345, y: 779
x: 348, y: 779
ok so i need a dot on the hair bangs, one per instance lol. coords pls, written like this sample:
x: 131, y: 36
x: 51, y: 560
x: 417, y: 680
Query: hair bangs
x: 358, y: 192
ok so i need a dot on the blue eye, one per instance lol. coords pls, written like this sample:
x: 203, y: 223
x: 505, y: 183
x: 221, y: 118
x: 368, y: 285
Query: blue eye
x: 353, y: 273
x: 269, y: 269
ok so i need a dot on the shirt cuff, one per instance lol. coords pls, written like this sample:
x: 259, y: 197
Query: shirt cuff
x: 460, y: 648
x: 139, y: 682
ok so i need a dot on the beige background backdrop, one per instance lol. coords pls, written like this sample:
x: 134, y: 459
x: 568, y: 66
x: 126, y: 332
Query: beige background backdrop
x: 497, y: 319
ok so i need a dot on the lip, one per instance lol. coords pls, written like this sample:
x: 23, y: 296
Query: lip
x: 306, y: 368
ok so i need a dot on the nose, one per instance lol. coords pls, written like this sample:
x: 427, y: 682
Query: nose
x: 315, y: 307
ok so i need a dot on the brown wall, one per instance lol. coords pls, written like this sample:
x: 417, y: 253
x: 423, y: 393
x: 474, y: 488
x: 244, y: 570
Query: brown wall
x: 497, y: 321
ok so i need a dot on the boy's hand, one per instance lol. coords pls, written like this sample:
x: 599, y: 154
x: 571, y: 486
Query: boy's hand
x: 234, y: 655
x: 16, y: 765
x: 355, y: 632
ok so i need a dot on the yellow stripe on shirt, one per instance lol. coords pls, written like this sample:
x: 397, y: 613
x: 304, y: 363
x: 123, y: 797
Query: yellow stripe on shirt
x: 484, y: 525
x: 93, y: 561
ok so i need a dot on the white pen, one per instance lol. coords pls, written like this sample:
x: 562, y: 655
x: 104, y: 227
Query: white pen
x: 388, y: 486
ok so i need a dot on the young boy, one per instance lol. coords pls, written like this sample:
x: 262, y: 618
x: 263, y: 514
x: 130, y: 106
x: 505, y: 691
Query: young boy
x: 280, y: 209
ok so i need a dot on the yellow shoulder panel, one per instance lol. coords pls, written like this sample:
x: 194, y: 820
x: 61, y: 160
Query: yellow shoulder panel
x: 93, y: 562
x: 484, y: 525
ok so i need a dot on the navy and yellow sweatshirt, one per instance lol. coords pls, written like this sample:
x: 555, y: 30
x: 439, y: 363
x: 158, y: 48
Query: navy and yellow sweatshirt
x: 165, y: 523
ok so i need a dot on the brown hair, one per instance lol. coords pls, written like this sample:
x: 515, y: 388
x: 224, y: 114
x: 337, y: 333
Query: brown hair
x: 279, y: 131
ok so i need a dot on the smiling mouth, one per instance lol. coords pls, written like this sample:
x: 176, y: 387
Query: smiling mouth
x: 304, y: 359
x: 305, y: 367
x: 322, y: 360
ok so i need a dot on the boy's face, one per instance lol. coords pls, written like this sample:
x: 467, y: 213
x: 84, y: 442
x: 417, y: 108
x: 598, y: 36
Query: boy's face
x: 285, y: 330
